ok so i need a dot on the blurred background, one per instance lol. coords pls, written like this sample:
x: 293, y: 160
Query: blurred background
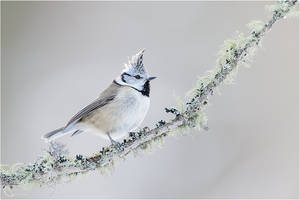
x: 58, y: 56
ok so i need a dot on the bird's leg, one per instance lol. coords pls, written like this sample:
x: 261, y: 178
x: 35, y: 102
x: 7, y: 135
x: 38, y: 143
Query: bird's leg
x: 113, y: 142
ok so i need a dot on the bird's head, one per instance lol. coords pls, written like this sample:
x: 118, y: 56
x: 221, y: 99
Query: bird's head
x: 135, y: 73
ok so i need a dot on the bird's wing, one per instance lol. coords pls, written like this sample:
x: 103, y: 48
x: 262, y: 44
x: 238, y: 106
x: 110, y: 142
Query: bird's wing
x: 105, y: 98
x: 98, y: 103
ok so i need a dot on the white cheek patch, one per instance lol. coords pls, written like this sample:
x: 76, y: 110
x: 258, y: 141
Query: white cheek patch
x: 138, y: 85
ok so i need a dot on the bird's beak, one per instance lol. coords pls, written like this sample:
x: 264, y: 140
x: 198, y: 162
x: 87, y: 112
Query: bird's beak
x: 151, y: 78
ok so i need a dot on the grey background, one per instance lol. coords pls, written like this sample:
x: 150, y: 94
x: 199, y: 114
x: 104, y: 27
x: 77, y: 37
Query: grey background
x: 58, y: 56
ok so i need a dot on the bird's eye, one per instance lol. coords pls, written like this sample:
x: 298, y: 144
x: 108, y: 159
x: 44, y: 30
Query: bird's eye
x: 137, y: 77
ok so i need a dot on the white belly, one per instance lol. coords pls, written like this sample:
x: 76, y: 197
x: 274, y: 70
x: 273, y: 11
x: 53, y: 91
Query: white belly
x: 125, y: 113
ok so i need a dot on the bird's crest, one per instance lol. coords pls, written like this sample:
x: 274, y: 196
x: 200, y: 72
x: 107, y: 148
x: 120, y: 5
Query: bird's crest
x: 136, y: 63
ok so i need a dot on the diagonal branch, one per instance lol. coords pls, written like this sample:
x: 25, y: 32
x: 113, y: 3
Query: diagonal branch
x: 56, y: 165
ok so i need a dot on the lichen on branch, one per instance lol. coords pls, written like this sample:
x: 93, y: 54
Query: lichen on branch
x: 55, y: 165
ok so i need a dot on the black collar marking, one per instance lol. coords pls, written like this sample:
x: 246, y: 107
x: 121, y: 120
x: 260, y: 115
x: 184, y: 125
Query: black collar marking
x: 145, y: 91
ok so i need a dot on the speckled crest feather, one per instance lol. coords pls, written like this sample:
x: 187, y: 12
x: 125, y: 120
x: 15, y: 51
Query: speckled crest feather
x: 135, y: 64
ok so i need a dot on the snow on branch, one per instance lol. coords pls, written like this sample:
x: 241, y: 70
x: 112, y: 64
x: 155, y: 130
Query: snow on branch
x: 56, y: 166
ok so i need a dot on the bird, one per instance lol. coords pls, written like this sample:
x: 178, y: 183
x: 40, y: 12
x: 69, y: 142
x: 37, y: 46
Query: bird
x: 118, y: 110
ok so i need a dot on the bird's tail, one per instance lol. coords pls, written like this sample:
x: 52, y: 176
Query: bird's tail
x: 54, y: 134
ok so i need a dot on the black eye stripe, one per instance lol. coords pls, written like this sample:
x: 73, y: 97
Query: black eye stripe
x: 126, y: 74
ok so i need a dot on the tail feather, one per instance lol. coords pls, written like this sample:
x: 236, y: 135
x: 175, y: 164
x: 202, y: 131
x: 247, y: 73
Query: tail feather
x: 54, y: 134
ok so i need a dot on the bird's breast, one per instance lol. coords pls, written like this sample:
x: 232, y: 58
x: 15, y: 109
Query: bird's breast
x: 134, y: 108
x: 125, y: 113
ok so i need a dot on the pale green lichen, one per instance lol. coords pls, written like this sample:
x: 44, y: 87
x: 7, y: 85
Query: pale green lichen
x: 256, y: 26
x: 293, y: 13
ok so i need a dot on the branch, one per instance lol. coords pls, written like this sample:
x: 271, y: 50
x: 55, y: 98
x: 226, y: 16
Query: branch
x: 55, y: 165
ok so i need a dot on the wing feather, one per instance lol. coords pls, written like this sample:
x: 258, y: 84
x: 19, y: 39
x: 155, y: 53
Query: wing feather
x: 98, y: 103
x: 105, y: 98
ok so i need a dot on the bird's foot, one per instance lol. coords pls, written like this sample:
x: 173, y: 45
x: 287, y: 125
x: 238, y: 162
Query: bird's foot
x: 116, y: 144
